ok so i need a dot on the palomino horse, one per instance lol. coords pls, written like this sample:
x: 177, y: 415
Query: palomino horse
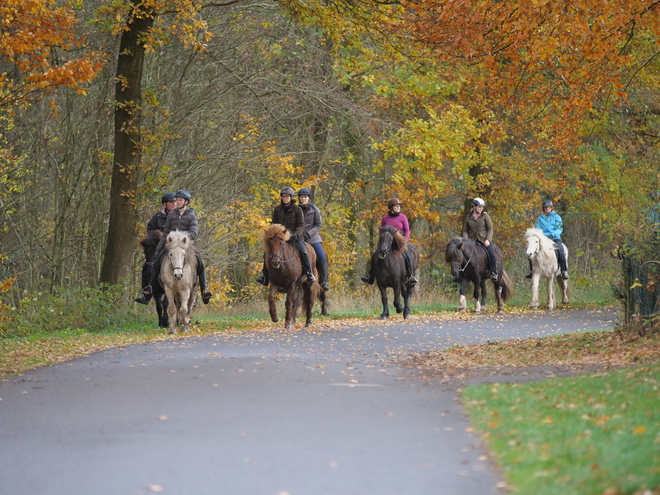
x: 541, y: 251
x: 149, y: 245
x: 178, y: 276
x: 286, y: 275
x: 469, y: 263
x: 389, y: 268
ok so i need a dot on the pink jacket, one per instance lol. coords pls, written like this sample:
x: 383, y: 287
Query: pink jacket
x: 400, y: 222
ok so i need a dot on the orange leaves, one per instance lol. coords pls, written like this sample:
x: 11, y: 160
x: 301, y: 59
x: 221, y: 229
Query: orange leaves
x: 36, y: 37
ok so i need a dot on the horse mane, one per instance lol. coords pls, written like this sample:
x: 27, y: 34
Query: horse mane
x: 274, y: 230
x: 152, y: 239
x: 453, y: 248
x: 399, y: 242
x: 548, y: 247
x: 178, y: 237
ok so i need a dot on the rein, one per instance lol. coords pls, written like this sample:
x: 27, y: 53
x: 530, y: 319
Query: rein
x: 469, y: 259
x: 281, y: 255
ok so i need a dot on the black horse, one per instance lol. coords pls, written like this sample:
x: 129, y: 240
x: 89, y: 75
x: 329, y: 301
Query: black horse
x: 469, y: 263
x: 389, y: 268
x: 149, y: 245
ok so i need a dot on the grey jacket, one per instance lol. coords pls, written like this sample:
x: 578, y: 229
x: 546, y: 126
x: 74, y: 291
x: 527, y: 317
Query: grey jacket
x: 176, y: 221
x: 313, y: 223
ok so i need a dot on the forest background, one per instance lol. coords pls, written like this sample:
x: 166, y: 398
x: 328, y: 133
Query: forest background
x: 107, y: 104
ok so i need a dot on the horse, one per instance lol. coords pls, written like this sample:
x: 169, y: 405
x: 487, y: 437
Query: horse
x: 541, y: 251
x: 149, y: 245
x: 389, y: 268
x: 178, y: 276
x: 286, y: 275
x: 469, y: 263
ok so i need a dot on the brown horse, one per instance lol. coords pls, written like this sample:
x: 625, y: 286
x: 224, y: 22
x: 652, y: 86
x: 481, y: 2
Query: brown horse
x: 389, y: 268
x: 286, y: 275
x: 178, y: 276
x: 149, y: 245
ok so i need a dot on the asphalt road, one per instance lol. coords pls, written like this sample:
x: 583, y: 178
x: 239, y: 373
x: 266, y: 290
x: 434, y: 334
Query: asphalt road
x: 301, y: 412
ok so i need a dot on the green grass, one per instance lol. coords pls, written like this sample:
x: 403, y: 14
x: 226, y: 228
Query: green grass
x: 591, y: 434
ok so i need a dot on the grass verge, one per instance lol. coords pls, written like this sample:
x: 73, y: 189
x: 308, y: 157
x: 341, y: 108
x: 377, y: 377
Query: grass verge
x: 592, y: 434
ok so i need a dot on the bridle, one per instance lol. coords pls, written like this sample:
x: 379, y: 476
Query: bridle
x: 278, y: 263
x: 467, y: 263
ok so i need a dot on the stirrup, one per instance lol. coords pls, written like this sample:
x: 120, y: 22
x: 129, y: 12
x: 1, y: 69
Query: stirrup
x: 325, y: 286
x: 494, y: 276
x: 142, y: 299
x: 529, y: 275
x: 564, y: 275
x: 261, y: 279
x: 310, y: 278
x: 148, y: 291
x: 412, y: 281
x: 206, y: 296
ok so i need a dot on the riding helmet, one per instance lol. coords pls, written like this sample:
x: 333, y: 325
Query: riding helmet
x: 289, y: 191
x: 167, y: 197
x: 546, y: 203
x: 182, y: 193
x: 393, y: 202
x: 305, y: 192
x: 478, y: 202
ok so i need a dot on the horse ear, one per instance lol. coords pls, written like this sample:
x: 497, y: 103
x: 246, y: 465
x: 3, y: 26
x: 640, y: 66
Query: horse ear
x: 459, y: 245
x: 185, y: 239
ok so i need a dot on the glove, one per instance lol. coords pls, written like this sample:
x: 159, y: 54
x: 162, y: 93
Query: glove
x: 306, y: 236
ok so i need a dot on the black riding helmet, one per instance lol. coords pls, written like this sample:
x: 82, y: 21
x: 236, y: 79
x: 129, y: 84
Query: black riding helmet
x: 305, y: 192
x: 546, y: 203
x: 167, y: 197
x: 182, y: 193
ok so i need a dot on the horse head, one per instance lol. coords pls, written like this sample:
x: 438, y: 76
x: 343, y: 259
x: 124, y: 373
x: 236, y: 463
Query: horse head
x: 455, y: 256
x: 273, y: 239
x: 150, y: 243
x: 533, y: 244
x: 391, y: 241
x: 178, y: 245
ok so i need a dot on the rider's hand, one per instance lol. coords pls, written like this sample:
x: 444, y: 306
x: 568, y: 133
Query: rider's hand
x: 486, y: 243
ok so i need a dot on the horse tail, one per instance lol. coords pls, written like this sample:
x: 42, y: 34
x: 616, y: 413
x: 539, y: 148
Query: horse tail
x: 507, y: 286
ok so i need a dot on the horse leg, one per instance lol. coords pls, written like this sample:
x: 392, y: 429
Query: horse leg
x: 290, y: 305
x: 397, y: 298
x: 476, y: 294
x: 407, y: 291
x: 383, y: 297
x: 498, y: 294
x: 536, y: 277
x: 483, y: 294
x: 551, y: 293
x: 172, y: 312
x: 462, y: 300
x: 184, y: 304
x: 563, y: 285
x: 272, y: 303
x: 323, y: 299
x: 308, y: 300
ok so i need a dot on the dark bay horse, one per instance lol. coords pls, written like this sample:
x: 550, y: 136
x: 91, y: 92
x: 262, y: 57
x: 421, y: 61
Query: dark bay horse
x: 469, y: 263
x: 149, y: 245
x: 286, y: 275
x: 389, y: 269
x: 178, y: 276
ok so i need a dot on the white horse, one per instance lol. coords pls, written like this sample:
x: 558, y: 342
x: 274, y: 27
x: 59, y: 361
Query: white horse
x: 542, y: 253
x: 178, y: 276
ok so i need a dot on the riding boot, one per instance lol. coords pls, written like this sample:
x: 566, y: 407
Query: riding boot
x: 494, y: 271
x: 147, y: 268
x: 201, y: 274
x: 369, y: 278
x: 412, y: 281
x: 323, y: 275
x: 529, y: 275
x: 307, y: 267
x: 148, y: 290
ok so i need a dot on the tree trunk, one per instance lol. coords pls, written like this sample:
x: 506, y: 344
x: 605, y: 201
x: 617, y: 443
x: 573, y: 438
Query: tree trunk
x: 120, y: 242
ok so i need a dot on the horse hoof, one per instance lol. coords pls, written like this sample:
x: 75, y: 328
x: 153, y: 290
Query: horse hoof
x: 383, y: 317
x: 186, y: 328
x: 399, y: 310
x: 172, y: 332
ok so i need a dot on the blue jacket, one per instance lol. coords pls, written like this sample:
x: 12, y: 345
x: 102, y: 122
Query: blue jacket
x: 551, y: 225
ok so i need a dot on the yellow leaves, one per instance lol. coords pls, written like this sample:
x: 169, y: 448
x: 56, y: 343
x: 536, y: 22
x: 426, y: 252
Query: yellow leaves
x: 640, y: 430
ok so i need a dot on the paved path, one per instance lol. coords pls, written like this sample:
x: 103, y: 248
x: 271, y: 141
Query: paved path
x: 299, y: 412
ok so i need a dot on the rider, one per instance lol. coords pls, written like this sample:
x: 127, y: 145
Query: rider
x: 479, y: 227
x: 312, y: 216
x: 552, y: 226
x: 398, y: 220
x: 157, y: 223
x: 182, y: 218
x: 289, y: 214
